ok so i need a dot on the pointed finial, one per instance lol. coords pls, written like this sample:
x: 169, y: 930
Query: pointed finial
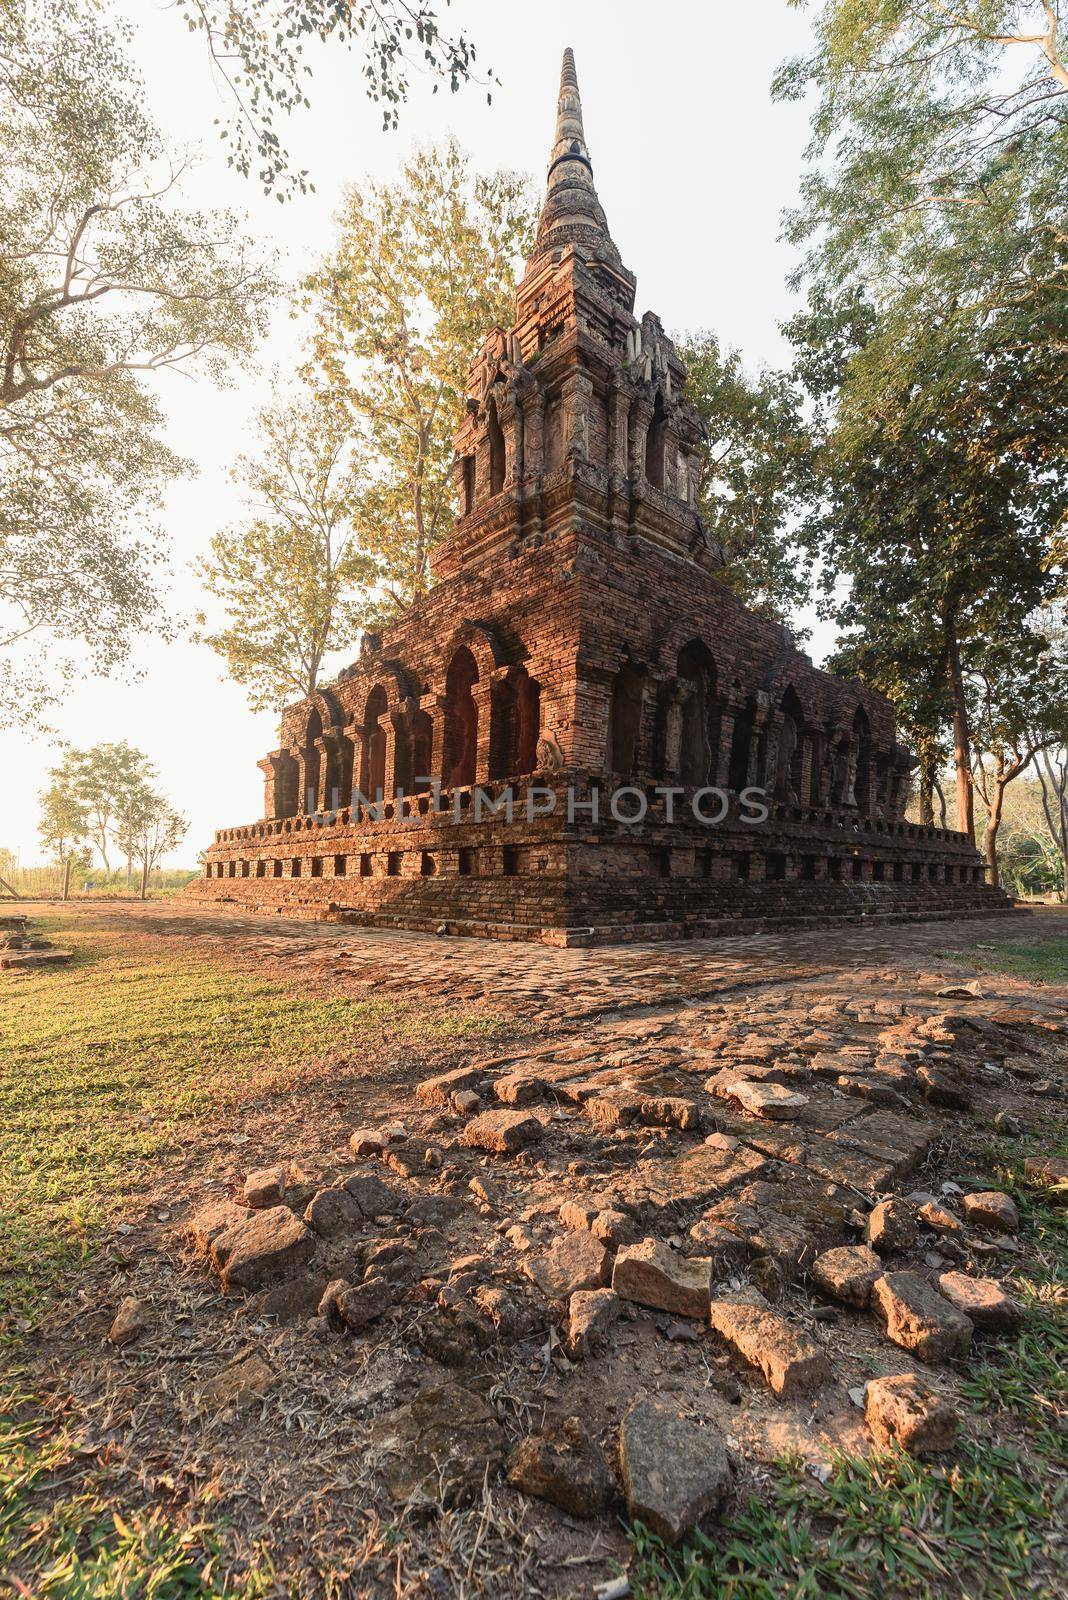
x: 572, y: 212
x: 570, y: 142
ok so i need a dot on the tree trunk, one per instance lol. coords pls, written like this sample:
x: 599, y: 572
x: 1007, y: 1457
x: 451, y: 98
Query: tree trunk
x: 941, y: 793
x: 926, y: 787
x: 990, y: 843
x: 144, y: 879
x: 66, y: 878
x: 962, y: 745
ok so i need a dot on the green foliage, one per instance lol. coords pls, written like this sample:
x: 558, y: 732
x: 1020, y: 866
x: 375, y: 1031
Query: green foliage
x: 1026, y: 1379
x: 422, y: 269
x: 103, y: 278
x: 95, y: 790
x: 753, y: 471
x: 293, y: 582
x: 938, y: 163
x: 1031, y: 863
x: 881, y: 1526
x: 1043, y: 962
x: 258, y: 48
x: 941, y: 506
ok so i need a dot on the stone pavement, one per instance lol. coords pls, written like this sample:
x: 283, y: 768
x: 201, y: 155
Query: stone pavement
x: 679, y: 1222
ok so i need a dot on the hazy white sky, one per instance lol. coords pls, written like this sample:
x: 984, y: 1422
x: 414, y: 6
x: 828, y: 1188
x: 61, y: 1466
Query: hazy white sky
x: 694, y: 165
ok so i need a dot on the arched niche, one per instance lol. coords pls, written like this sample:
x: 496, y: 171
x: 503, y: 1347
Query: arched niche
x: 373, y: 776
x: 790, y: 764
x: 656, y: 444
x: 699, y: 731
x: 515, y: 725
x: 461, y: 721
x: 625, y: 718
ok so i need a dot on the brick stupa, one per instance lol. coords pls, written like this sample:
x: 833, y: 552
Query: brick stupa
x: 577, y: 639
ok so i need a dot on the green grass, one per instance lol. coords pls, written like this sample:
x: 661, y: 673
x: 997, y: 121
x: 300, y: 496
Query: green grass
x: 881, y: 1527
x: 1025, y: 1380
x: 1044, y: 961
x: 106, y: 1065
x: 59, y: 1531
x: 110, y: 1061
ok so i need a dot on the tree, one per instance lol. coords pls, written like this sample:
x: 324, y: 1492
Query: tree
x: 293, y: 580
x: 97, y: 784
x: 938, y: 163
x: 257, y: 47
x: 1028, y: 860
x: 148, y: 828
x: 1019, y: 707
x: 421, y: 269
x: 753, y: 470
x: 1052, y: 772
x: 63, y: 829
x: 942, y: 503
x: 1052, y: 759
x: 103, y: 278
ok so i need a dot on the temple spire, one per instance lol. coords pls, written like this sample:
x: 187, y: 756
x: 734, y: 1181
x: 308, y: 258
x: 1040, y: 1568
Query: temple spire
x: 572, y: 213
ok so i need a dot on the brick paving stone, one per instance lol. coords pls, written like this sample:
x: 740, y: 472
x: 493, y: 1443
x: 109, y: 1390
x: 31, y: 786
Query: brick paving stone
x: 790, y: 1361
x: 918, y: 1318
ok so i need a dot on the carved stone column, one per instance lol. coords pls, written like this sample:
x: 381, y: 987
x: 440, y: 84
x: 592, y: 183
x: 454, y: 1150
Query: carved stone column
x: 273, y: 782
x: 482, y: 694
x: 641, y: 415
x: 434, y: 706
x: 532, y: 407
x: 577, y: 395
x: 303, y: 807
x: 618, y: 413
x: 721, y: 766
x: 509, y: 417
x: 358, y: 734
x: 753, y: 775
x: 677, y: 696
x: 771, y: 758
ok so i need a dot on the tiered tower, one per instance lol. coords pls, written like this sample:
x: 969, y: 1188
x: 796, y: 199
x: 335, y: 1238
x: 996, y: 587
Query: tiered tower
x: 577, y: 642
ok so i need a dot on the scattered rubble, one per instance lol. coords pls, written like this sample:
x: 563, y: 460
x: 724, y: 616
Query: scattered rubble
x: 674, y: 1470
x: 906, y: 1411
x: 918, y: 1318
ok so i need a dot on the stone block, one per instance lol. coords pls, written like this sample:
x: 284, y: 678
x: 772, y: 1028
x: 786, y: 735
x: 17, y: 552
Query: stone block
x: 502, y: 1132
x: 906, y: 1411
x: 918, y: 1318
x: 675, y: 1470
x: 652, y: 1274
x: 790, y: 1361
x: 262, y: 1248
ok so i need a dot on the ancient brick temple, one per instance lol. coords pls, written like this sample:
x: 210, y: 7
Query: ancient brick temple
x: 577, y: 642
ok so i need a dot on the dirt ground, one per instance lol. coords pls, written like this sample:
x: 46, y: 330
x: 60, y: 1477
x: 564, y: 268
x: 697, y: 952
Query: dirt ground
x: 901, y: 1044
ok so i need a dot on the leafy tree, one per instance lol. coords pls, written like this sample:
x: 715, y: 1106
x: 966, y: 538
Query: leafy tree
x: 96, y: 785
x: 1051, y: 761
x: 942, y: 502
x: 148, y: 828
x: 1018, y: 694
x: 421, y: 269
x: 63, y: 829
x: 753, y: 472
x: 938, y: 163
x: 257, y: 47
x: 293, y: 580
x: 103, y: 278
x: 1028, y: 859
x: 1052, y: 773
